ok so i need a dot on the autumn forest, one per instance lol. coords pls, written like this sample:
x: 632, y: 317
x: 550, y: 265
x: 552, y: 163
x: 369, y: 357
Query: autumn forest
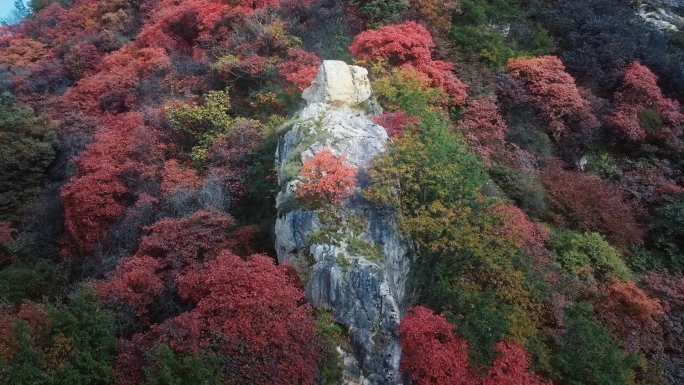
x: 535, y: 168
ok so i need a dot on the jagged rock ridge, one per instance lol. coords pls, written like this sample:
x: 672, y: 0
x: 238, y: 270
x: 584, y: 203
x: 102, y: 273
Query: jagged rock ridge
x: 366, y: 293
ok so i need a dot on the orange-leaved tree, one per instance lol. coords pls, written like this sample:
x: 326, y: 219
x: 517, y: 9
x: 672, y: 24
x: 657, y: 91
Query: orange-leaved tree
x: 625, y: 308
x: 249, y: 311
x: 408, y: 45
x: 325, y: 179
x: 434, y: 354
x: 554, y: 93
x: 431, y: 352
x: 643, y: 111
x: 300, y: 69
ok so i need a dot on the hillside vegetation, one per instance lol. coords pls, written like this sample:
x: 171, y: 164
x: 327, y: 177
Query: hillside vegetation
x: 536, y: 166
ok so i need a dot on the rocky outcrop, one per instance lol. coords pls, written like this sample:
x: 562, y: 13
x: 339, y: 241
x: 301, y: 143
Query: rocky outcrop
x: 663, y: 14
x: 339, y: 83
x: 364, y: 287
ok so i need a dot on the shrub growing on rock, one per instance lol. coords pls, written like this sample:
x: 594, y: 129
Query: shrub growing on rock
x: 326, y: 179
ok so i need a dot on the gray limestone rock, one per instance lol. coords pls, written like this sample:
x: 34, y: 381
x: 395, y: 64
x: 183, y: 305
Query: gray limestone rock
x: 366, y: 293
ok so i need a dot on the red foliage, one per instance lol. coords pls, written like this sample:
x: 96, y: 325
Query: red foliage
x: 173, y: 178
x: 627, y: 308
x: 519, y: 159
x: 41, y: 77
x: 176, y: 26
x: 247, y: 310
x: 111, y: 88
x: 484, y: 128
x: 90, y: 206
x: 123, y: 151
x: 135, y: 281
x: 397, y: 44
x: 172, y: 247
x: 440, y: 73
x: 531, y: 236
x: 669, y: 289
x: 300, y: 69
x: 640, y: 91
x: 511, y: 368
x: 255, y: 4
x: 408, y: 44
x: 326, y: 179
x: 61, y: 26
x: 648, y: 184
x: 80, y: 60
x: 432, y: 352
x: 179, y: 243
x: 6, y: 232
x: 554, y: 93
x: 592, y: 204
x: 34, y: 317
x: 394, y: 122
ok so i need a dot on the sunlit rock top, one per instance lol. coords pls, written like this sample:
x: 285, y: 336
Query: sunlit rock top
x: 339, y: 83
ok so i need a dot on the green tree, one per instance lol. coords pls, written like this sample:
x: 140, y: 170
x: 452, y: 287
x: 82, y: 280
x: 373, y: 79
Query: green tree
x: 202, y: 123
x: 60, y: 344
x: 172, y: 368
x: 467, y: 266
x: 484, y: 27
x: 27, y: 148
x: 20, y: 12
x: 31, y: 279
x: 577, y: 253
x: 588, y: 354
x: 381, y: 12
x: 666, y: 234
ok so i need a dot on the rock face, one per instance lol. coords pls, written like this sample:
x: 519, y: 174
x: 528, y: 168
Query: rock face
x: 663, y: 14
x: 364, y: 291
x: 339, y: 83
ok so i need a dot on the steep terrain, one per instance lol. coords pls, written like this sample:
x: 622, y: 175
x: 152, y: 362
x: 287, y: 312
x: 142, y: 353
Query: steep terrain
x: 466, y: 192
x: 365, y: 289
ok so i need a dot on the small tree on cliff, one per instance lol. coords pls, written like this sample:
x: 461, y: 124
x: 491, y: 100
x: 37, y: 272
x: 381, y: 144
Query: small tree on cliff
x: 326, y: 179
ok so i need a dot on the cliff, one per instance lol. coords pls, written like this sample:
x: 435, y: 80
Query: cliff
x: 362, y: 276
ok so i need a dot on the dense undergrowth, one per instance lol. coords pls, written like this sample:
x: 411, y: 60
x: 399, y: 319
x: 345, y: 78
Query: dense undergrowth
x: 536, y: 166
